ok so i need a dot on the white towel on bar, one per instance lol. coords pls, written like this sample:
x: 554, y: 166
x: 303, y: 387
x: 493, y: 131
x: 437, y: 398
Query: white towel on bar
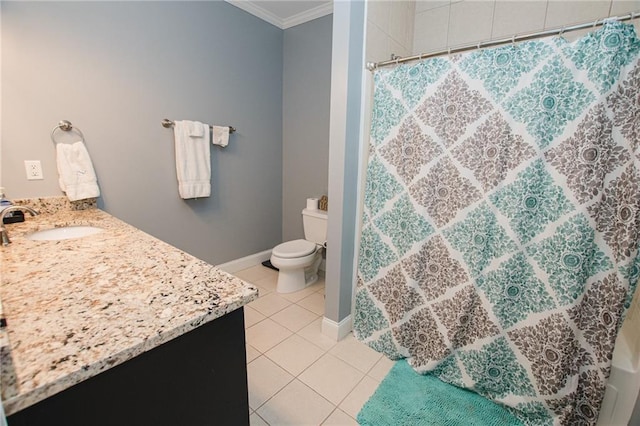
x: 193, y: 164
x: 197, y: 129
x: 75, y: 170
x: 220, y: 135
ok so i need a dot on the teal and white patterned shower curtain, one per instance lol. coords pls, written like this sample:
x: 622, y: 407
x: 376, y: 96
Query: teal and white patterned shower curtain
x: 501, y: 225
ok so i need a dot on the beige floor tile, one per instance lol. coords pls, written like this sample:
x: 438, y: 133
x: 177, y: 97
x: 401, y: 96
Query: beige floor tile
x: 381, y: 369
x: 254, y: 273
x: 314, y: 303
x: 294, y: 317
x: 356, y: 353
x: 313, y: 333
x: 256, y: 420
x: 296, y: 296
x: 265, y: 379
x: 295, y: 354
x: 266, y: 334
x: 251, y: 316
x: 353, y: 403
x: 252, y: 353
x: 339, y: 418
x: 318, y: 284
x: 296, y: 404
x: 262, y: 291
x: 331, y: 377
x: 269, y: 304
x: 269, y: 283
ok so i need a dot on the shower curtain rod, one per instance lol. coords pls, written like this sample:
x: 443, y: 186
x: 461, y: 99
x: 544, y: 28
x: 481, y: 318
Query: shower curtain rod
x: 371, y: 66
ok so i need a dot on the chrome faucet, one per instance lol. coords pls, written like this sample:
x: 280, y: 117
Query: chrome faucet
x: 5, y: 237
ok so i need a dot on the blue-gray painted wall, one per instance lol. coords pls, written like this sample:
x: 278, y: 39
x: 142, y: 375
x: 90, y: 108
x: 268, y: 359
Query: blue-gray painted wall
x: 306, y: 98
x: 115, y: 70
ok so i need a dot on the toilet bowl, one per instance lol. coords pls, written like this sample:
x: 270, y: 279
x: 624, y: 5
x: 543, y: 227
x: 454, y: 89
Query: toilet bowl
x: 298, y: 260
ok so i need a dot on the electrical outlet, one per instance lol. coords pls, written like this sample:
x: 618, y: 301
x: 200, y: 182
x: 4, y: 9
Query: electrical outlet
x: 34, y: 169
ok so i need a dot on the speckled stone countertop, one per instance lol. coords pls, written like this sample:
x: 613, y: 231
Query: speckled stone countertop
x: 75, y: 308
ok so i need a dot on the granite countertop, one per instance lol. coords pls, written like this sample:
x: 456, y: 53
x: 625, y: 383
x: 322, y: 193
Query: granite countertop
x: 75, y: 308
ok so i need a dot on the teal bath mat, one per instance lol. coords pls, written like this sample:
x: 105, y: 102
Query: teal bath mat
x: 407, y: 398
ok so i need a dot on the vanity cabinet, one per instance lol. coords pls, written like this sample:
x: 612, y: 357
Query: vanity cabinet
x: 196, y: 379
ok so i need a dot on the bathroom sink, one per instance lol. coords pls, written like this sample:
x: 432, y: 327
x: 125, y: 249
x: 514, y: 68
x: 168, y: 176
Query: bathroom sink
x: 64, y: 233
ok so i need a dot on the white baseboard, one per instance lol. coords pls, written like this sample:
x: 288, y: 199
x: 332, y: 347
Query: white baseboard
x: 245, y: 262
x: 334, y: 330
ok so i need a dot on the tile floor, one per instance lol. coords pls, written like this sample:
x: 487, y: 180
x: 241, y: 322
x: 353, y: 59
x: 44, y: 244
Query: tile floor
x: 298, y: 376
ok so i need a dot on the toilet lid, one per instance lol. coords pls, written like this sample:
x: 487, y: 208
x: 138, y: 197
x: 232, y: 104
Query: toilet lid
x: 293, y: 249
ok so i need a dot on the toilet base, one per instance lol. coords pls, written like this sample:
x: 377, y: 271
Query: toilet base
x: 298, y: 278
x: 294, y: 280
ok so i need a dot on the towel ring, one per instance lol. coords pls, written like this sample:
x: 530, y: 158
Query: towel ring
x: 66, y: 126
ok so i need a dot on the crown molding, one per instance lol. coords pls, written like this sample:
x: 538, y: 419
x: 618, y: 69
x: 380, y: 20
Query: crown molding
x: 254, y: 8
x: 309, y: 15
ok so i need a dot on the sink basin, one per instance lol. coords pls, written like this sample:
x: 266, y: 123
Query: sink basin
x: 64, y: 233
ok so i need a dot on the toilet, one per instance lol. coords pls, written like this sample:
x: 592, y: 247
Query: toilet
x: 298, y: 260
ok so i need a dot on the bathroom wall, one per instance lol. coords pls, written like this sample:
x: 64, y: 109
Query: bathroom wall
x: 345, y: 144
x: 115, y: 70
x: 443, y: 24
x: 305, y: 109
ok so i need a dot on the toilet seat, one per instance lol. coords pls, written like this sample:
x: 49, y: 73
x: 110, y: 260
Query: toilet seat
x: 294, y: 249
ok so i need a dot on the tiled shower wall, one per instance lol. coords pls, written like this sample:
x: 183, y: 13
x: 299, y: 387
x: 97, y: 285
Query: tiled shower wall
x: 389, y: 29
x: 444, y: 24
x: 406, y: 28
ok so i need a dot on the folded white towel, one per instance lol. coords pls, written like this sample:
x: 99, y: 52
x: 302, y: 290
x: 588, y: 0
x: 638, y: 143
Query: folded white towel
x: 75, y: 169
x: 193, y: 163
x: 220, y: 135
x: 197, y: 129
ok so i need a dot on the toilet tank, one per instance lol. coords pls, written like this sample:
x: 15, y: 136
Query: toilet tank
x: 315, y: 225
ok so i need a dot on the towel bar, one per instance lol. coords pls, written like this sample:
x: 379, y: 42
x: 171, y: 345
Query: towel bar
x: 169, y: 123
x: 66, y: 126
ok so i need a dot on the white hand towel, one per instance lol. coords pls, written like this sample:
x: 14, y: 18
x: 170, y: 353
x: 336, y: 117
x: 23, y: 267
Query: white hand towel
x: 220, y: 135
x: 197, y: 129
x: 75, y: 169
x: 193, y: 164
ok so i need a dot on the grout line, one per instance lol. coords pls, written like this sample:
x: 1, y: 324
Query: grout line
x: 266, y: 422
x: 347, y: 395
x: 493, y: 20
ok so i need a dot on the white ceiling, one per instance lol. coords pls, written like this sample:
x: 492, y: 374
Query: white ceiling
x: 285, y: 13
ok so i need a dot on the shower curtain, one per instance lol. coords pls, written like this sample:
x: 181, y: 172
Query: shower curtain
x: 499, y: 245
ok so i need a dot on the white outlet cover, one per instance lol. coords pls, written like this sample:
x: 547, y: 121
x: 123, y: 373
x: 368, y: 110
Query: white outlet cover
x: 33, y: 169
